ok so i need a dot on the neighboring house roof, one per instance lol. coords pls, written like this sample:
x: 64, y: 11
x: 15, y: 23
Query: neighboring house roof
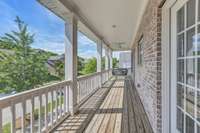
x: 53, y: 59
x: 58, y: 57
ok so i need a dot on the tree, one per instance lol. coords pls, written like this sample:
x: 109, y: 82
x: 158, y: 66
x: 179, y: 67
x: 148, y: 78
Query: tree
x: 60, y: 70
x: 81, y: 64
x: 26, y: 69
x: 90, y: 66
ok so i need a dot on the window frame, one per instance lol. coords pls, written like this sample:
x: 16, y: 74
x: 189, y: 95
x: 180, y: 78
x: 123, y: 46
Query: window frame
x: 140, y: 51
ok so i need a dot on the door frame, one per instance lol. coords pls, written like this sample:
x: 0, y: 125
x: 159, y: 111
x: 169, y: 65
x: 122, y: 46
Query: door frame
x: 173, y: 43
x: 167, y: 123
x: 169, y: 64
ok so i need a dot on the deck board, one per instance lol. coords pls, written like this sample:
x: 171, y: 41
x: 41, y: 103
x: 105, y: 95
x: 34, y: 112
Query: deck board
x: 115, y: 109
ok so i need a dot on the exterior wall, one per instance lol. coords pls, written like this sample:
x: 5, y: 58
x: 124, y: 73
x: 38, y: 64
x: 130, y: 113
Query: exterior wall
x: 148, y: 75
x: 125, y: 59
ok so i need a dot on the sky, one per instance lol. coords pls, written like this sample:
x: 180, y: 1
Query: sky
x: 47, y: 27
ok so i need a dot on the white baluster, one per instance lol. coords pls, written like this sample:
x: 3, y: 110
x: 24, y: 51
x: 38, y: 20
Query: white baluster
x: 64, y: 90
x: 60, y: 103
x: 1, y: 122
x: 56, y: 102
x: 32, y: 115
x: 13, y: 117
x: 46, y: 111
x: 24, y: 116
x: 40, y: 114
x: 51, y: 107
x: 67, y: 98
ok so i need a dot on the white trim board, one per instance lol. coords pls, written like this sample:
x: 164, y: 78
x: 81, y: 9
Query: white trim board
x: 165, y: 44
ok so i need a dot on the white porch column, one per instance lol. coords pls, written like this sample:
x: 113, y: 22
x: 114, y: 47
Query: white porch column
x: 71, y: 62
x: 99, y: 56
x: 106, y: 59
x: 132, y: 57
x: 110, y: 58
x: 99, y: 59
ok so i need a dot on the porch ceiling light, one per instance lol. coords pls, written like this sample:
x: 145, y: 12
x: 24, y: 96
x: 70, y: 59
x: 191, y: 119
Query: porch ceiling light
x: 114, y: 26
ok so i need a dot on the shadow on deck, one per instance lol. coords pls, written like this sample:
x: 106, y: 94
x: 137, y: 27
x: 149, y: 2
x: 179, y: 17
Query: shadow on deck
x: 114, y: 108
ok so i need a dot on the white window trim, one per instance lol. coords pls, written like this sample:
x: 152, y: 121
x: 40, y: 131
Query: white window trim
x: 141, y: 51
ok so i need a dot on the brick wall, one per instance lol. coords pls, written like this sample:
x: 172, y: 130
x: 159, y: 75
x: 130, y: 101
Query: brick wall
x: 148, y: 75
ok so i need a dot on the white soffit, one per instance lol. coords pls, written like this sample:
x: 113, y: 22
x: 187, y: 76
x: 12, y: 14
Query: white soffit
x: 103, y: 15
x: 115, y: 21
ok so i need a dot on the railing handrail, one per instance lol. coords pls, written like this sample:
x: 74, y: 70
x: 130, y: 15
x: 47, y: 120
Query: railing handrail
x: 88, y: 76
x: 43, y: 88
x: 103, y: 71
x: 91, y: 75
x: 33, y: 92
x: 48, y: 87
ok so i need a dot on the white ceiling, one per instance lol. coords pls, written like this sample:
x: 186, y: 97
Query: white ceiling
x: 103, y: 14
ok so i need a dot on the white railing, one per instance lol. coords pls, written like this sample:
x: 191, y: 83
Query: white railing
x: 88, y: 84
x: 129, y: 71
x: 106, y: 75
x: 36, y: 110
x: 39, y: 110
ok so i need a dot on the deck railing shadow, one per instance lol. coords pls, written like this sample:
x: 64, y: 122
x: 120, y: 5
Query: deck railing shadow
x: 133, y: 105
x: 104, y: 111
x: 86, y: 111
x: 130, y: 110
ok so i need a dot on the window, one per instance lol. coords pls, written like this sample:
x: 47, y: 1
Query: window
x: 140, y: 51
x: 188, y: 69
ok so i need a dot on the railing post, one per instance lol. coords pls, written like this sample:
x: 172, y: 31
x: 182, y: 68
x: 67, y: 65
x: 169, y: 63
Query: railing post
x: 71, y: 60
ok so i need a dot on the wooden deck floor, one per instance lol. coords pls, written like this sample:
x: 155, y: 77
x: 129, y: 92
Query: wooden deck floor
x: 115, y: 108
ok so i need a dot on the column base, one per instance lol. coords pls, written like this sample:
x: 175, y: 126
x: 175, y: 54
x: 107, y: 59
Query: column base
x: 73, y: 110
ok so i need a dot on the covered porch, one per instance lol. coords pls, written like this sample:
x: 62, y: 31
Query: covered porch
x: 113, y: 107
x: 99, y: 102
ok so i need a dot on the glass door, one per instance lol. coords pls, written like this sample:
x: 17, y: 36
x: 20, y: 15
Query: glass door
x: 185, y: 67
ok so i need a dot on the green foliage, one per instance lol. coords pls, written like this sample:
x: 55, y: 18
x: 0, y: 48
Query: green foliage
x: 23, y: 67
x: 26, y: 69
x: 115, y: 62
x: 7, y: 128
x: 90, y: 66
x: 81, y: 65
x: 59, y: 66
x: 5, y: 45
